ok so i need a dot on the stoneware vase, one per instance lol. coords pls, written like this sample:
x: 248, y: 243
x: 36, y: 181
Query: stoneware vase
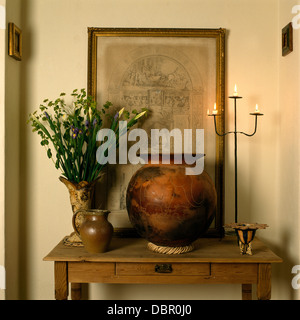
x: 81, y: 195
x: 169, y: 208
x: 245, y: 233
x: 96, y: 231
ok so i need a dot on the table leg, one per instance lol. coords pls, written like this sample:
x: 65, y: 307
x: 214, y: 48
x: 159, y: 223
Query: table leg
x: 76, y: 291
x: 61, y: 280
x: 246, y: 291
x: 264, y: 281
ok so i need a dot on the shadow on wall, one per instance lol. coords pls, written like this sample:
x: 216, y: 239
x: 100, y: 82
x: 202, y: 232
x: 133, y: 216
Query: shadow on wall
x: 282, y: 271
x: 24, y: 188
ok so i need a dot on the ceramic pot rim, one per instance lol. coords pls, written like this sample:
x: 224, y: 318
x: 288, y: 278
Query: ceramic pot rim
x: 93, y: 212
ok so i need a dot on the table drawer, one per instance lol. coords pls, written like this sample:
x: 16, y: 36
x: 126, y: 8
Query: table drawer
x: 156, y: 269
x: 90, y: 271
x: 235, y: 272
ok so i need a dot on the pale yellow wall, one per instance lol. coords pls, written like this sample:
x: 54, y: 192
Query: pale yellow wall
x: 2, y: 143
x: 13, y: 107
x: 288, y: 124
x: 55, y: 60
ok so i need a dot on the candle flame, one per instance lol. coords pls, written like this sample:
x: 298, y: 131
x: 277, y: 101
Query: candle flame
x: 235, y: 91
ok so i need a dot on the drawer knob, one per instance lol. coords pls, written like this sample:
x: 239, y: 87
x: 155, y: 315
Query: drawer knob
x: 163, y: 268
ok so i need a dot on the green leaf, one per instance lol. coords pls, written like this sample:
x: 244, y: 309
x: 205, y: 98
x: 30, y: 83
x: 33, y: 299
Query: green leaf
x: 49, y: 153
x: 107, y: 104
x: 126, y: 114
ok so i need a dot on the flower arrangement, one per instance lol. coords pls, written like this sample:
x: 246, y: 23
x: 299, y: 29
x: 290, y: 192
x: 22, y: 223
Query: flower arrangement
x: 71, y: 132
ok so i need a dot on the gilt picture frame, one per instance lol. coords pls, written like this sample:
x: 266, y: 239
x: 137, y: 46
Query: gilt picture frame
x: 178, y: 74
x: 14, y: 41
x: 287, y: 39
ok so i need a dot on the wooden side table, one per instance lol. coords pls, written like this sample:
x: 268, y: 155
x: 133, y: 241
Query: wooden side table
x: 129, y: 261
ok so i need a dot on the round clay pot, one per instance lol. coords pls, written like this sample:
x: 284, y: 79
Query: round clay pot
x: 96, y: 231
x: 168, y: 207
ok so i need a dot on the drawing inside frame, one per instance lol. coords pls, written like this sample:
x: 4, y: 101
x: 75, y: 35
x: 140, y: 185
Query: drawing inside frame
x: 177, y: 74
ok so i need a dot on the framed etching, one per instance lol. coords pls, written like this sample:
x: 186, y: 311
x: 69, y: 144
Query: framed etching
x: 178, y: 74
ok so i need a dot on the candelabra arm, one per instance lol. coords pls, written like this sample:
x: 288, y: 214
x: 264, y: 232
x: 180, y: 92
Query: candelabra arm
x: 220, y: 134
x: 252, y: 134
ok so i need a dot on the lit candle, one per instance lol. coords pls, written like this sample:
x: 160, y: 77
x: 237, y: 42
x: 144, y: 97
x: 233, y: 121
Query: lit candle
x: 208, y: 112
x: 215, y: 109
x: 235, y: 91
x: 256, y: 109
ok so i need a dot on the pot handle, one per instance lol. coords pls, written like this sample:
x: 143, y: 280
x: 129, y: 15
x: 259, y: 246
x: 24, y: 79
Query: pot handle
x: 73, y: 220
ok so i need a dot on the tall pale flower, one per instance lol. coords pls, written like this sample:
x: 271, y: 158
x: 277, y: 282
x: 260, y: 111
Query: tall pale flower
x: 120, y: 112
x: 90, y: 114
x: 139, y: 115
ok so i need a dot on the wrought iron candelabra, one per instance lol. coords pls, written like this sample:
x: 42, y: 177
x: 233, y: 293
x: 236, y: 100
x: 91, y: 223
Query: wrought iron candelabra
x: 215, y: 114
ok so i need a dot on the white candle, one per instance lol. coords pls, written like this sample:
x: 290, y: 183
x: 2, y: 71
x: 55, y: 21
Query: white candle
x: 235, y: 91
x: 256, y: 109
x: 215, y: 109
x: 208, y: 112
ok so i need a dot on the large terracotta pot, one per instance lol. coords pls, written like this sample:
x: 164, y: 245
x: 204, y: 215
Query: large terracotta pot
x: 168, y: 207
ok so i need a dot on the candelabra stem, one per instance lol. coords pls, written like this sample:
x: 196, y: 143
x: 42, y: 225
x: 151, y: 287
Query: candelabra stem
x: 235, y: 162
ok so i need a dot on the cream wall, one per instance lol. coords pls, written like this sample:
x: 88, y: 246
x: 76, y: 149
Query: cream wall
x: 288, y: 123
x: 2, y: 142
x: 55, y: 60
x: 13, y: 107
